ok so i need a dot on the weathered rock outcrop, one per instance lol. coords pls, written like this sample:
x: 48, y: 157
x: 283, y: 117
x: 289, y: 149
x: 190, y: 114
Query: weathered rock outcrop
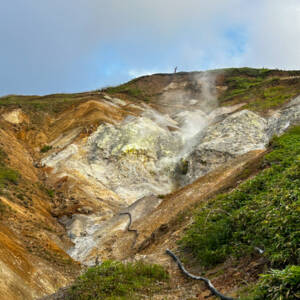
x: 140, y: 157
x: 237, y: 134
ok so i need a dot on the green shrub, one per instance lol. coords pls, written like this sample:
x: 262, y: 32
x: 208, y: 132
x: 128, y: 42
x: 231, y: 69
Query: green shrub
x: 45, y: 148
x: 279, y: 285
x: 263, y: 212
x: 50, y: 193
x: 115, y: 280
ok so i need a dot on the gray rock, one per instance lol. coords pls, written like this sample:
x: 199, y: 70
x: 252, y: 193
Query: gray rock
x: 281, y: 120
x: 135, y: 159
x: 85, y: 210
x: 235, y: 135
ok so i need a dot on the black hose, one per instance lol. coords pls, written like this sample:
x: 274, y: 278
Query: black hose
x: 207, y: 281
x: 128, y: 227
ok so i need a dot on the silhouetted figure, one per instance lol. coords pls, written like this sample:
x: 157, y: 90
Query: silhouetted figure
x: 175, y: 70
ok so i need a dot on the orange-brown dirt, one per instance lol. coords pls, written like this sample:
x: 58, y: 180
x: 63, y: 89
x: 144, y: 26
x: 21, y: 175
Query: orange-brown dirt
x: 33, y: 258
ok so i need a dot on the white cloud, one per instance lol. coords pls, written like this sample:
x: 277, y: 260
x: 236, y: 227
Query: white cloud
x: 73, y: 44
x: 274, y: 30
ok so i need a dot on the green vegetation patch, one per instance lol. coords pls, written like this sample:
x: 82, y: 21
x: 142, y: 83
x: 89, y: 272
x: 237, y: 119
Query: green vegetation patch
x: 261, y: 89
x: 36, y: 104
x: 116, y: 280
x: 50, y: 193
x: 271, y: 97
x: 7, y: 174
x: 249, y: 72
x: 128, y: 89
x: 263, y: 212
x: 45, y: 148
x: 278, y: 284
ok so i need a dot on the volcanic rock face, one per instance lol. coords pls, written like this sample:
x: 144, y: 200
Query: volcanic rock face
x: 238, y: 134
x: 134, y: 159
x: 140, y: 157
x: 281, y: 120
x: 154, y: 152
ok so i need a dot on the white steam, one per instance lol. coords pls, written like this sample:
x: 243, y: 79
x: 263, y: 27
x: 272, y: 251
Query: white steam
x: 190, y: 104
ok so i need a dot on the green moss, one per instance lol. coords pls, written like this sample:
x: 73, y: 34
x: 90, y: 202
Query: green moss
x: 249, y: 72
x: 6, y: 174
x: 239, y: 85
x: 115, y: 280
x: 3, y: 156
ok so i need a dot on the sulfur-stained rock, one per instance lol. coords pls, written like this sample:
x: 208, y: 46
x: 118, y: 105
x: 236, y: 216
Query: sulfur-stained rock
x: 15, y: 117
x: 136, y: 158
x: 237, y: 134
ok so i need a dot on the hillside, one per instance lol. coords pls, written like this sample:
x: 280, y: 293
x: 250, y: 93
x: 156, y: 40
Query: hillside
x: 189, y: 159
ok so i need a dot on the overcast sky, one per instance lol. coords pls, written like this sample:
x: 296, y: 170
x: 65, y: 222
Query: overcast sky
x: 49, y: 46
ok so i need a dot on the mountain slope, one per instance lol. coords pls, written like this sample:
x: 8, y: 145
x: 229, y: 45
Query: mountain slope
x: 154, y: 147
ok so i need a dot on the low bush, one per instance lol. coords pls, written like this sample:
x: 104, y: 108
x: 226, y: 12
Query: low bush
x: 278, y: 285
x: 45, y: 148
x: 116, y: 280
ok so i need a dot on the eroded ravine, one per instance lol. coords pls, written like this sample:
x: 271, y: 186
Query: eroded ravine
x: 151, y: 155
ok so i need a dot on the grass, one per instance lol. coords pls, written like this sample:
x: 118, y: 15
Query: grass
x: 128, y: 89
x: 271, y: 97
x: 261, y: 89
x: 263, y: 212
x: 277, y: 284
x: 7, y: 175
x: 116, y: 280
x: 36, y: 104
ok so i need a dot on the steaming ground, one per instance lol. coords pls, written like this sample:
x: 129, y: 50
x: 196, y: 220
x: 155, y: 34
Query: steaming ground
x: 155, y: 153
x: 139, y: 156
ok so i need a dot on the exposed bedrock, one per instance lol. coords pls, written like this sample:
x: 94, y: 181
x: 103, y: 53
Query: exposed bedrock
x: 142, y: 157
x: 237, y: 134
